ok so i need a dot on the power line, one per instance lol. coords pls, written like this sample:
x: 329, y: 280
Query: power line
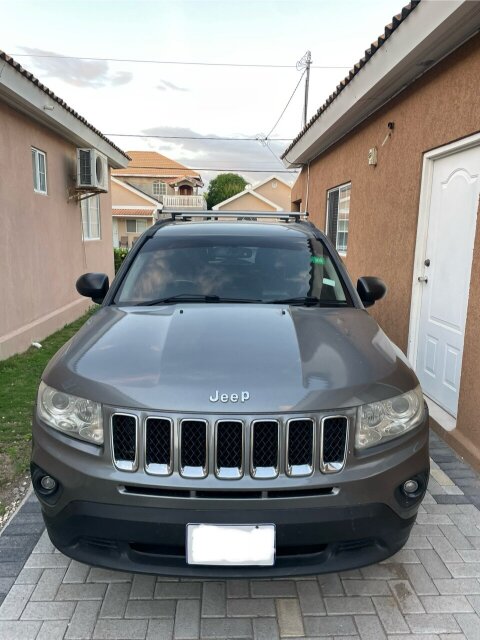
x: 251, y: 170
x: 175, y: 62
x: 285, y: 108
x: 138, y: 135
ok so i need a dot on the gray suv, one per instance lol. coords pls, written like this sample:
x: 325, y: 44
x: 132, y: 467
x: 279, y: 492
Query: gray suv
x: 231, y: 410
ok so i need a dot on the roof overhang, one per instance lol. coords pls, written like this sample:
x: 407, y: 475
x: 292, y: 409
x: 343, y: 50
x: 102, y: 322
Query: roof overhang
x: 431, y: 32
x: 25, y: 96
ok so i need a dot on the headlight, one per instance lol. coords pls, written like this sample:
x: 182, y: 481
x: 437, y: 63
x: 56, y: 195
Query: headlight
x: 77, y: 417
x: 388, y: 419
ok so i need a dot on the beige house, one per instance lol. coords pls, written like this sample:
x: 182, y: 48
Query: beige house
x: 52, y: 232
x: 391, y: 171
x: 272, y: 194
x: 151, y: 185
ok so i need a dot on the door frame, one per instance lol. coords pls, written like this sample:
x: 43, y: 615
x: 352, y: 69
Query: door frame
x: 422, y: 233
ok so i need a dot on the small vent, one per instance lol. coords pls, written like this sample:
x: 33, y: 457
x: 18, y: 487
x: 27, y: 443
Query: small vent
x: 265, y: 449
x: 193, y: 448
x: 84, y: 166
x: 229, y: 449
x: 124, y: 439
x: 334, y: 434
x: 300, y: 448
x: 158, y: 446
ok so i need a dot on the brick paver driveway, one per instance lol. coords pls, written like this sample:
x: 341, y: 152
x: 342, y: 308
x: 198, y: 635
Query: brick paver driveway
x: 429, y: 591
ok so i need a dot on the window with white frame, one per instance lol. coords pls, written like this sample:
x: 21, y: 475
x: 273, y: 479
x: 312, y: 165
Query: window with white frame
x: 159, y: 188
x: 136, y: 226
x: 39, y: 168
x: 91, y: 218
x: 338, y: 211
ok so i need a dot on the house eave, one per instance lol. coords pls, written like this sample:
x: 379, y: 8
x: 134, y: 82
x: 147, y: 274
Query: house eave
x: 23, y: 95
x: 433, y: 31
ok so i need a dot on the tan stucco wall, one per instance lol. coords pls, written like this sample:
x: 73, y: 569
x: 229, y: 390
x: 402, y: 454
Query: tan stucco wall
x: 440, y: 107
x: 247, y: 202
x: 41, y: 249
x: 125, y: 197
x: 122, y: 229
x: 146, y: 184
x: 281, y: 195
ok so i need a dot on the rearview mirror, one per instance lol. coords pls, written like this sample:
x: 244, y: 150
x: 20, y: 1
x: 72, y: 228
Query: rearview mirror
x: 370, y: 289
x: 93, y: 285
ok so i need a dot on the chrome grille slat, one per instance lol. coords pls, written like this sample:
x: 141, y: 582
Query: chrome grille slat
x: 193, y: 448
x: 300, y: 448
x: 158, y: 446
x: 229, y: 449
x: 333, y: 443
x: 124, y: 430
x: 265, y: 448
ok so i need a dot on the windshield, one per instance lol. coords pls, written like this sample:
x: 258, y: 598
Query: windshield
x: 242, y: 268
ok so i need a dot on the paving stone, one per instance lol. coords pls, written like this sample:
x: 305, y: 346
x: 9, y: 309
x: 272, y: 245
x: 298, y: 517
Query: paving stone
x: 143, y: 586
x: 15, y: 602
x: 469, y: 555
x: 455, y: 536
x: 420, y: 580
x: 48, y: 584
x: 454, y: 495
x: 44, y: 545
x: 433, y: 563
x: 178, y: 590
x: 466, y: 586
x: 466, y: 525
x: 160, y: 630
x: 93, y: 591
x: 464, y: 569
x: 349, y: 605
x: 250, y: 607
x: 48, y: 611
x: 150, y: 609
x: 214, y: 601
x: 10, y: 569
x: 366, y: 587
x: 405, y: 596
x: 5, y: 585
x: 432, y: 623
x: 53, y: 630
x: 417, y: 542
x: 265, y: 629
x: 404, y: 556
x: 427, y: 530
x: 386, y: 571
x: 83, y: 621
x: 311, y: 602
x: 29, y: 576
x: 331, y: 585
x: 105, y: 575
x: 470, y: 625
x: 115, y: 600
x: 221, y: 628
x: 187, y: 620
x: 47, y: 561
x: 273, y: 588
x: 238, y: 589
x: 370, y: 628
x: 120, y: 629
x: 446, y: 604
x: 390, y: 615
x: 15, y: 542
x: 445, y: 550
x: 19, y: 629
x: 329, y: 625
x: 77, y: 572
x: 289, y: 617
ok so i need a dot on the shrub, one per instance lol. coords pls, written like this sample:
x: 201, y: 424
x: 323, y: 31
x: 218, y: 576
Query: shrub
x: 119, y: 256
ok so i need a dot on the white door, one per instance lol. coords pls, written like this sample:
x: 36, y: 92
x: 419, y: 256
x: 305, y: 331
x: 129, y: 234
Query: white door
x: 115, y: 232
x: 455, y: 189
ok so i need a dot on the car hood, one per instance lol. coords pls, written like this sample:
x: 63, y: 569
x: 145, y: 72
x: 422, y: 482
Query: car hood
x: 175, y: 358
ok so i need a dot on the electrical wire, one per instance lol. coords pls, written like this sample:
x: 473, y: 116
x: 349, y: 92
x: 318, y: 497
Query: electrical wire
x: 220, y: 139
x: 285, y: 108
x: 176, y: 62
x: 250, y: 170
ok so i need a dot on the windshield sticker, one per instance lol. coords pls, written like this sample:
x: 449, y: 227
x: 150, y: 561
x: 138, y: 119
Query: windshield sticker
x: 317, y: 260
x: 329, y: 283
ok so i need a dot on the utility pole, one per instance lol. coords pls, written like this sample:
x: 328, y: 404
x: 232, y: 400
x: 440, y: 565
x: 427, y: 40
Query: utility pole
x: 305, y: 63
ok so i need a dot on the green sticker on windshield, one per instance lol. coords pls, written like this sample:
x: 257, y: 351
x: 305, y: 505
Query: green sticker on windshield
x: 317, y: 260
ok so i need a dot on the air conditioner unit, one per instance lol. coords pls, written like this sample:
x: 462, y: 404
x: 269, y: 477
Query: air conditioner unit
x: 92, y: 170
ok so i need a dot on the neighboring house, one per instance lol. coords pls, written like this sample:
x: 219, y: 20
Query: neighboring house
x: 272, y: 194
x: 49, y: 238
x: 393, y: 161
x: 154, y: 182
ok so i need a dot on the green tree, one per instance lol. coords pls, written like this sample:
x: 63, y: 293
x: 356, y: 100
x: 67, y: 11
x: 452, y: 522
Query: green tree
x: 224, y: 186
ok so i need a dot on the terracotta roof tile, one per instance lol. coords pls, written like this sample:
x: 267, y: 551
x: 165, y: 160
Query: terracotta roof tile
x: 389, y: 29
x: 18, y: 67
x: 132, y: 213
x: 151, y: 163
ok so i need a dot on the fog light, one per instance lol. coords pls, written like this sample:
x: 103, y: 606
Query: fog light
x: 410, y: 486
x: 48, y: 483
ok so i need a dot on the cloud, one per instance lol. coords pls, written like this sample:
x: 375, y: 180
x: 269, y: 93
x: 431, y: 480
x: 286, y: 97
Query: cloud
x: 79, y: 73
x: 249, y: 158
x: 169, y: 85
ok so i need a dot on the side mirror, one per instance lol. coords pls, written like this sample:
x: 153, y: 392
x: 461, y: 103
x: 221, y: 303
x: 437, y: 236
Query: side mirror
x: 93, y: 285
x: 370, y: 289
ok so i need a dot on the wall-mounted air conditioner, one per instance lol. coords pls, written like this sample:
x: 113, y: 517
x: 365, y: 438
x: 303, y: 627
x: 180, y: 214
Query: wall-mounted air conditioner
x: 92, y: 170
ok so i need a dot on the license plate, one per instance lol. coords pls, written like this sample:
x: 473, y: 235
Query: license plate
x: 231, y: 544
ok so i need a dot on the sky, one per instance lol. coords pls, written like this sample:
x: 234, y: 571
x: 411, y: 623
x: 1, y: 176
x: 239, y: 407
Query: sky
x: 153, y: 99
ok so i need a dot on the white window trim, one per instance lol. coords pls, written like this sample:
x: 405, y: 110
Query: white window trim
x: 36, y: 177
x: 162, y: 187
x: 87, y: 201
x: 337, y: 188
x: 136, y: 220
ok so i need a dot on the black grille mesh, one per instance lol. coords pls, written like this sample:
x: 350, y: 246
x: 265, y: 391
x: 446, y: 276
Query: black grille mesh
x: 229, y: 445
x: 158, y: 441
x: 124, y: 437
x: 265, y: 444
x: 194, y: 444
x: 300, y: 442
x: 334, y: 439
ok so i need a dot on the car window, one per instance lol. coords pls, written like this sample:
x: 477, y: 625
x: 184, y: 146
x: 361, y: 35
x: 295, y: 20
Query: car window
x: 243, y: 267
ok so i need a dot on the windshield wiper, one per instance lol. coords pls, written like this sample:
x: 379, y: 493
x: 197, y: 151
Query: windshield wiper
x: 192, y: 297
x: 308, y: 301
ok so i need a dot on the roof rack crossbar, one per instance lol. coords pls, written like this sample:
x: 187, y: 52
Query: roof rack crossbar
x: 236, y: 215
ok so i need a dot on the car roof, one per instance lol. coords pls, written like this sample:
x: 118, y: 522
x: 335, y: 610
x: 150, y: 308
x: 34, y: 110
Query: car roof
x: 237, y: 227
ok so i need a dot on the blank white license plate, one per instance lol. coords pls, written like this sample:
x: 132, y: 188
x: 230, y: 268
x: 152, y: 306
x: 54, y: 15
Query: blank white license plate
x: 231, y: 544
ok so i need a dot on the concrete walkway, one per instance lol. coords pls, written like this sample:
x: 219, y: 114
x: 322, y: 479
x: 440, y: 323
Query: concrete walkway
x: 429, y: 591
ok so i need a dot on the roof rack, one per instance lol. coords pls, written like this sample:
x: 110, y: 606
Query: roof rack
x: 287, y: 216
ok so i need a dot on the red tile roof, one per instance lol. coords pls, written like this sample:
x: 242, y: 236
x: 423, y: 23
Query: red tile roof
x: 151, y: 163
x: 132, y: 213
